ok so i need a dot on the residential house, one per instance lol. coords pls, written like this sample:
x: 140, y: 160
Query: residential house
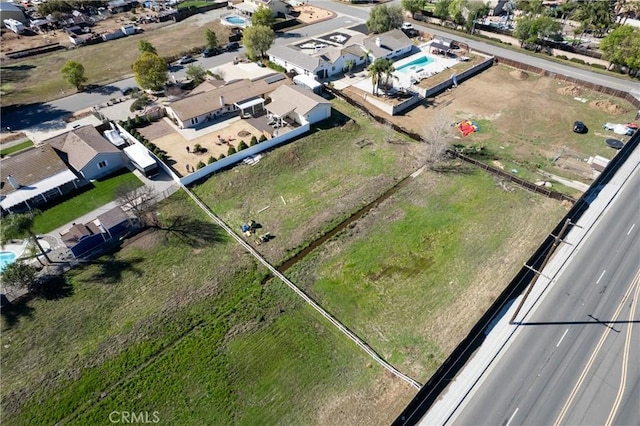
x: 328, y: 55
x: 211, y: 100
x: 90, y: 154
x: 298, y: 104
x: 32, y: 178
x: 106, y: 230
x: 279, y: 8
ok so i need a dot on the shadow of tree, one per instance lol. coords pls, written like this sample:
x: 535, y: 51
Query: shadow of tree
x: 193, y: 232
x: 102, y: 90
x: 15, y: 73
x: 109, y: 270
x: 25, y: 116
x: 53, y: 288
x: 12, y: 312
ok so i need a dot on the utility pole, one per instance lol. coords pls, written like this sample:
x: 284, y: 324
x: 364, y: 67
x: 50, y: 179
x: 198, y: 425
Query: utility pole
x: 557, y: 241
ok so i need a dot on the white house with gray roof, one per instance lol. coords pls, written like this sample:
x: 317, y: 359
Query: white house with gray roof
x: 325, y: 56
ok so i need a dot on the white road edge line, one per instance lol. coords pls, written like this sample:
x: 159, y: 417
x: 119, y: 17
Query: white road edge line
x: 601, y: 275
x: 512, y: 416
x: 631, y: 229
x: 564, y: 334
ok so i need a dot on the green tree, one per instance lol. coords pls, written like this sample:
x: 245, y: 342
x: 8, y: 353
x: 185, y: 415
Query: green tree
x: 349, y: 64
x: 145, y: 46
x: 387, y: 71
x: 211, y: 40
x: 595, y: 15
x: 253, y: 140
x: 20, y: 225
x: 257, y: 39
x: 196, y: 73
x: 242, y: 145
x: 533, y: 7
x: 529, y: 29
x: 621, y: 47
x: 73, y: 72
x: 150, y: 71
x: 379, y: 68
x: 412, y: 6
x: 263, y: 16
x: 200, y: 165
x: 211, y: 159
x: 385, y: 18
x: 18, y: 274
x: 442, y: 9
x: 476, y: 10
x: 231, y: 151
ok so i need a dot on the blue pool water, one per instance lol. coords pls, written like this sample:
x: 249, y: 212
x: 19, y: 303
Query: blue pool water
x: 414, y: 65
x: 235, y: 20
x: 6, y: 258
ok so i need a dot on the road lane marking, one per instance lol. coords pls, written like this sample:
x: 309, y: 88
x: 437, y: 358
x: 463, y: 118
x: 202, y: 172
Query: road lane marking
x: 634, y: 283
x: 625, y: 361
x: 560, y: 341
x: 601, y: 275
x: 631, y: 229
x: 512, y: 416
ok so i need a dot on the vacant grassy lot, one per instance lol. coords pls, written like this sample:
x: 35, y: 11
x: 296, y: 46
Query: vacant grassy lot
x: 38, y: 79
x: 15, y: 148
x: 182, y: 322
x: 100, y: 193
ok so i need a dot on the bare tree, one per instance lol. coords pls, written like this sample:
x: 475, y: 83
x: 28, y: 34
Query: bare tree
x: 437, y: 137
x: 140, y: 200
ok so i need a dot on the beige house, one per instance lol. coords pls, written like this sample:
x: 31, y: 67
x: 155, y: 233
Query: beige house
x: 212, y: 100
x: 278, y: 8
x: 299, y: 104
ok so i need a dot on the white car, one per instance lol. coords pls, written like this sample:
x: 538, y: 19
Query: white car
x: 407, y: 26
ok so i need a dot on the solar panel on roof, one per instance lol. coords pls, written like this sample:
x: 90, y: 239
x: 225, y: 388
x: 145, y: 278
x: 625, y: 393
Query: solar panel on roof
x: 274, y: 78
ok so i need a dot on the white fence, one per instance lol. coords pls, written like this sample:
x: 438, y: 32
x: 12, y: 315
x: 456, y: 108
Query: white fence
x: 241, y: 155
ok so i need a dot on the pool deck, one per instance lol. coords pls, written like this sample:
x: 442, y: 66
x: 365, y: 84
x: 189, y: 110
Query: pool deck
x: 438, y: 65
x: 17, y: 247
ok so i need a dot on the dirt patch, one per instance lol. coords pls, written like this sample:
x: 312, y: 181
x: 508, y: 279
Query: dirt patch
x: 243, y: 134
x: 311, y: 14
x: 608, y: 107
x: 374, y: 406
x: 519, y: 75
x: 571, y: 90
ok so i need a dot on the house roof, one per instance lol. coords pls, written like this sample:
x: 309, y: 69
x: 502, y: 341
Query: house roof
x: 390, y: 41
x: 30, y: 167
x: 296, y: 57
x: 301, y: 100
x: 113, y: 217
x: 208, y: 101
x: 79, y: 146
x: 26, y: 193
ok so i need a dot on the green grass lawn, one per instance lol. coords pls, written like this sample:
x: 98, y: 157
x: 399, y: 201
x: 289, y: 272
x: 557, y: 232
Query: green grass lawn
x: 16, y: 148
x: 101, y: 192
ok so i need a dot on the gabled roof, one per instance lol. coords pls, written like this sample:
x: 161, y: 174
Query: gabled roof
x: 209, y: 101
x: 390, y: 41
x: 79, y: 146
x: 113, y: 217
x: 30, y: 167
x: 295, y: 98
x: 296, y: 57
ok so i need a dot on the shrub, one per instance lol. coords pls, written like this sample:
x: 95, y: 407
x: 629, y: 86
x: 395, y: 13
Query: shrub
x: 599, y: 66
x: 563, y: 57
x: 231, y: 151
x: 262, y: 138
x: 199, y: 149
x: 254, y: 140
x: 276, y: 67
x: 242, y: 146
x: 577, y: 60
x: 200, y: 165
x: 211, y: 159
x: 221, y: 156
x: 140, y: 103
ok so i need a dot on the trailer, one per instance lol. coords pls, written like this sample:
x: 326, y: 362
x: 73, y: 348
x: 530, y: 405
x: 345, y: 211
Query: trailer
x: 308, y: 82
x: 142, y: 160
x: 14, y: 25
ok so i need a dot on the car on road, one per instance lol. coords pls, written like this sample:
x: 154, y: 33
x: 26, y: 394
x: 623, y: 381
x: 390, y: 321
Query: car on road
x: 129, y: 90
x: 579, y: 127
x: 232, y: 46
x: 211, y: 52
x: 186, y: 59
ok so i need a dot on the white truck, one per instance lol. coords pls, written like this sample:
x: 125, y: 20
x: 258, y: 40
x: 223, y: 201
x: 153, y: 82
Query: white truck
x: 14, y: 25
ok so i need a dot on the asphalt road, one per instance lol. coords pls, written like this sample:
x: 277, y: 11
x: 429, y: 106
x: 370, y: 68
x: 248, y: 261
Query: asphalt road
x: 575, y: 360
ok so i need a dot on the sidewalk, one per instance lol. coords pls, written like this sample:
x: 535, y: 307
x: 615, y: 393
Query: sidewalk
x: 502, y: 334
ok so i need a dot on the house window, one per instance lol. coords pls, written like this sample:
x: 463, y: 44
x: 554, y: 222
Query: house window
x: 102, y: 164
x: 194, y: 120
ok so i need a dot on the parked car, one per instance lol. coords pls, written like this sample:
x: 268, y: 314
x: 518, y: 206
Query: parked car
x: 406, y: 26
x: 129, y: 90
x: 186, y: 59
x: 232, y: 46
x: 261, y: 64
x: 579, y: 127
x: 211, y: 52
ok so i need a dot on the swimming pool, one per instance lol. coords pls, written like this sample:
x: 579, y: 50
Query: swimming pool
x: 7, y: 258
x: 235, y: 20
x: 414, y: 65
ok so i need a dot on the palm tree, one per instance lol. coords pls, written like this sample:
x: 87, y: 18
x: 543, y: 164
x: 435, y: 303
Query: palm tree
x: 20, y: 225
x: 376, y: 69
x: 509, y: 7
x: 388, y: 72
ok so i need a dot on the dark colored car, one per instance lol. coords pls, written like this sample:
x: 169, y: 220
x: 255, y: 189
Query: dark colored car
x: 579, y: 127
x: 186, y: 60
x: 232, y: 46
x: 211, y: 52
